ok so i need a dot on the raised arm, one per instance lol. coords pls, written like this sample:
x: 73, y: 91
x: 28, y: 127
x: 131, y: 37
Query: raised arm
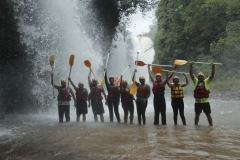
x: 133, y: 77
x: 191, y: 70
x: 121, y: 85
x: 169, y: 84
x: 54, y: 85
x: 185, y: 84
x: 150, y: 74
x: 72, y: 83
x: 106, y: 80
x: 213, y: 71
x: 166, y: 80
x: 89, y: 78
x: 73, y: 95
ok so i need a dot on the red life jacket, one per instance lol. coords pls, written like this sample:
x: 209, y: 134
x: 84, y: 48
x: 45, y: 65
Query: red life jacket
x: 200, y: 91
x: 113, y: 91
x: 142, y: 91
x: 81, y: 94
x: 158, y: 88
x: 63, y: 94
x: 126, y: 97
x: 96, y: 93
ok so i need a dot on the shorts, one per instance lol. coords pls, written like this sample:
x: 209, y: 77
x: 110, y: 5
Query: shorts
x: 202, y: 106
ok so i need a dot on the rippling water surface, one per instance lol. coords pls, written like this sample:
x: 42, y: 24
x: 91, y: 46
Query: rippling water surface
x: 40, y: 136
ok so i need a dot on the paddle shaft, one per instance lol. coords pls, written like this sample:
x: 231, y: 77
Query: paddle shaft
x: 208, y: 63
x: 126, y: 69
x: 161, y: 65
x: 53, y: 85
x: 69, y: 77
x: 173, y: 71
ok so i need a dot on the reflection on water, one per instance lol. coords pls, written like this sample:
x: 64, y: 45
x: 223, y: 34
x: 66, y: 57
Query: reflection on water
x: 40, y: 136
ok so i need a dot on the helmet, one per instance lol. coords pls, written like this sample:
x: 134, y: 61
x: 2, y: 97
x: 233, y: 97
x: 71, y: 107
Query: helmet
x: 81, y: 83
x: 176, y: 77
x: 124, y: 81
x: 94, y: 79
x: 63, y: 80
x: 111, y: 76
x: 201, y: 74
x: 159, y: 74
x: 142, y: 77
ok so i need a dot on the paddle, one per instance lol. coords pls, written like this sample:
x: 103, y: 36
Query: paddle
x: 71, y: 61
x: 159, y: 70
x: 133, y: 87
x: 102, y: 82
x: 51, y: 61
x: 88, y: 64
x: 126, y: 69
x: 117, y: 79
x: 141, y: 63
x: 182, y: 62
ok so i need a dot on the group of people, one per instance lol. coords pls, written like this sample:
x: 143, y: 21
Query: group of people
x: 122, y: 92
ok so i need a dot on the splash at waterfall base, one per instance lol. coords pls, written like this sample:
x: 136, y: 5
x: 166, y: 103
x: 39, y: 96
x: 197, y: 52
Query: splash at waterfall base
x: 40, y: 136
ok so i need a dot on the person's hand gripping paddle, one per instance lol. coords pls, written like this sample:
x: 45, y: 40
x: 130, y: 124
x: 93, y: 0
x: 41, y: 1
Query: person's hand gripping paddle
x: 102, y: 82
x: 71, y: 61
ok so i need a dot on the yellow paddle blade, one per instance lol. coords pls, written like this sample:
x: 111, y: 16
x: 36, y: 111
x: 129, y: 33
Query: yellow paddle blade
x: 157, y: 70
x: 140, y: 63
x: 51, y: 60
x: 180, y: 62
x: 102, y: 83
x: 87, y: 63
x: 71, y: 60
x: 133, y: 88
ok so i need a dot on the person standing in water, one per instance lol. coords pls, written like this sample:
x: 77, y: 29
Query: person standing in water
x: 177, y: 97
x: 201, y: 93
x: 127, y: 100
x: 96, y: 97
x: 82, y: 97
x: 143, y: 93
x: 64, y: 99
x: 159, y: 101
x: 113, y: 97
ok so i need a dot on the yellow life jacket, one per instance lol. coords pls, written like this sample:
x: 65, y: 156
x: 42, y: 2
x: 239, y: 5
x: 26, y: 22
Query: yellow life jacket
x: 176, y: 91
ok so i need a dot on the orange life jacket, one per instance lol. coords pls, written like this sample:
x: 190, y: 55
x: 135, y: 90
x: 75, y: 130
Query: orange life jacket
x: 200, y: 91
x: 63, y: 94
x: 81, y: 94
x: 142, y: 91
x: 158, y: 88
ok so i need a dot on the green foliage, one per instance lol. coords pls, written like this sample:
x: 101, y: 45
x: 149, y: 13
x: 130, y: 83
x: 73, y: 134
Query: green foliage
x: 200, y: 30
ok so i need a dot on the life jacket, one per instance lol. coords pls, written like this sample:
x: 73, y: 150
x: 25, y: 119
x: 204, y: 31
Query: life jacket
x: 126, y: 97
x: 63, y: 94
x: 158, y: 88
x: 177, y: 91
x: 142, y: 91
x: 81, y: 94
x: 200, y: 91
x: 113, y: 91
x: 95, y: 92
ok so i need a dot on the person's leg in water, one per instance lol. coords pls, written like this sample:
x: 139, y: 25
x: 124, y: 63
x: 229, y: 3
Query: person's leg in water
x: 110, y: 108
x: 163, y: 111
x: 144, y: 106
x: 156, y: 111
x: 67, y: 113
x: 84, y: 117
x: 139, y: 112
x: 115, y: 105
x: 60, y: 114
x: 209, y: 118
x: 101, y: 117
x: 198, y: 111
x: 181, y: 111
x: 125, y: 109
x: 131, y: 110
x: 175, y: 111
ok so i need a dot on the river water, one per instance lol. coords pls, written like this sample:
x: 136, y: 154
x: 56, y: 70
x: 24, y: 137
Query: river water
x: 40, y: 136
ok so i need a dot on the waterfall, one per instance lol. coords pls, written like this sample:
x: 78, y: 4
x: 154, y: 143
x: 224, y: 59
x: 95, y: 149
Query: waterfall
x: 146, y: 54
x: 53, y: 27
